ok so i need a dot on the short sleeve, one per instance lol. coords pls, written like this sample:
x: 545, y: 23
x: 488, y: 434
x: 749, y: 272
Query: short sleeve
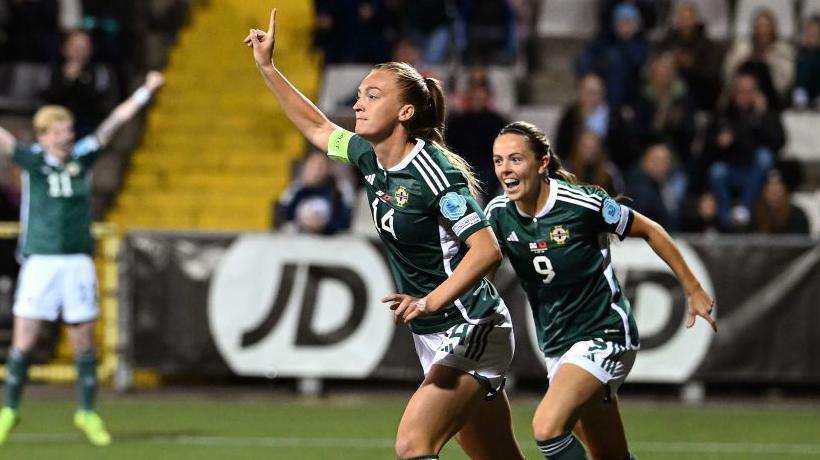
x: 459, y: 208
x: 347, y: 147
x: 491, y: 212
x: 87, y: 150
x: 614, y: 217
x: 26, y: 157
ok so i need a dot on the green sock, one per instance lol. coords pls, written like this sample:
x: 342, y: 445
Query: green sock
x: 564, y: 447
x: 17, y: 374
x: 86, y: 379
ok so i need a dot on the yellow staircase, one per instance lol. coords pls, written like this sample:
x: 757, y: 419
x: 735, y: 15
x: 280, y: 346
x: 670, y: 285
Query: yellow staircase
x: 217, y: 150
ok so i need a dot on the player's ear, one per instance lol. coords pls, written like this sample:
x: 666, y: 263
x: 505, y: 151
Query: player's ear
x: 544, y: 165
x: 406, y: 112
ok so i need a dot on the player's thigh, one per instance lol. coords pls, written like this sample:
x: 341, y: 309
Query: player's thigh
x: 437, y: 411
x: 79, y: 290
x: 602, y: 431
x: 488, y: 433
x: 26, y: 332
x: 570, y: 389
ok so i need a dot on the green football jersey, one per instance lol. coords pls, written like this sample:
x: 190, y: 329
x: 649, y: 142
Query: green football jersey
x: 423, y: 212
x: 55, y: 213
x: 562, y: 258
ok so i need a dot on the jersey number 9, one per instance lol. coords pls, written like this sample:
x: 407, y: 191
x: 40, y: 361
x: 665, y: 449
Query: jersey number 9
x: 543, y: 266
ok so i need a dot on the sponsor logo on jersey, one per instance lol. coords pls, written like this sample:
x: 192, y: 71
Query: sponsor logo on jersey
x: 611, y: 211
x: 370, y: 178
x: 72, y: 168
x: 539, y: 246
x: 512, y: 236
x: 401, y: 196
x: 559, y: 235
x: 453, y: 205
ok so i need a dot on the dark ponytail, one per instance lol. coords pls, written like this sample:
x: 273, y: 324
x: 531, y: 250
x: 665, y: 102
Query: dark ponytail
x: 541, y: 146
x: 429, y: 121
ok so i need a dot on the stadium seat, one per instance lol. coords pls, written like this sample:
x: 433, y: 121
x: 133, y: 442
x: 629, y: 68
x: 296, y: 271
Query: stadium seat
x: 802, y: 135
x: 543, y: 116
x: 568, y: 19
x: 339, y: 84
x: 784, y: 10
x: 26, y: 82
x: 810, y: 7
x: 808, y: 202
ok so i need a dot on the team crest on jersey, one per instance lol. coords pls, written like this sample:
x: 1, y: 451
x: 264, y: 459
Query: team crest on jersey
x: 539, y: 247
x: 72, y: 168
x: 401, y: 196
x: 559, y: 235
x: 453, y: 205
x: 611, y: 211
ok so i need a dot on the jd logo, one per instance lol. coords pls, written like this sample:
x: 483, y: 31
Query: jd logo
x: 669, y: 352
x: 300, y: 306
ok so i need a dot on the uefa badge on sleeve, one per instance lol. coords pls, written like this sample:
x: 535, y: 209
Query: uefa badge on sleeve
x: 611, y: 211
x: 453, y: 206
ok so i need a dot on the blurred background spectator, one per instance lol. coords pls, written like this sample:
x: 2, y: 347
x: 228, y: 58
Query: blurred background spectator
x: 618, y: 57
x: 430, y: 25
x: 665, y: 111
x: 317, y: 201
x: 765, y: 55
x: 472, y: 128
x: 697, y: 57
x: 807, y: 81
x: 742, y: 143
x: 589, y: 162
x: 591, y: 112
x: 702, y: 215
x: 85, y: 88
x: 657, y: 188
x: 489, y: 27
x: 775, y: 213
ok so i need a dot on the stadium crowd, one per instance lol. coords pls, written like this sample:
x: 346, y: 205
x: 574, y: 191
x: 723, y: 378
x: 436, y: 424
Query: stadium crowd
x: 687, y: 128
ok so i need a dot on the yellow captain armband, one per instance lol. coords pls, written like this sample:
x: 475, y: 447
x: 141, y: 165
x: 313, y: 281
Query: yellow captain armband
x: 338, y: 143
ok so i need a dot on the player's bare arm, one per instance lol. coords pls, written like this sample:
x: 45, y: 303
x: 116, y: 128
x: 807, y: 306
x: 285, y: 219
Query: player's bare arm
x: 7, y: 142
x: 699, y: 302
x: 307, y: 118
x: 126, y: 110
x: 483, y: 255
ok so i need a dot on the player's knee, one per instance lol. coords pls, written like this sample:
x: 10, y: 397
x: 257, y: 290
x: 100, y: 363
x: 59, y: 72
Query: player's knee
x: 547, y: 427
x: 413, y: 445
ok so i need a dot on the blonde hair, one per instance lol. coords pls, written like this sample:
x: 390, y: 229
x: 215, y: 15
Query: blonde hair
x: 428, y: 123
x: 48, y: 115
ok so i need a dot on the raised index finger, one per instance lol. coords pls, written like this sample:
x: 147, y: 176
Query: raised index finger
x: 272, y: 26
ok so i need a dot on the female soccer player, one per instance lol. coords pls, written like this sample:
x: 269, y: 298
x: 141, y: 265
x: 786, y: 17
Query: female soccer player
x: 556, y: 236
x: 57, y: 279
x: 439, y: 248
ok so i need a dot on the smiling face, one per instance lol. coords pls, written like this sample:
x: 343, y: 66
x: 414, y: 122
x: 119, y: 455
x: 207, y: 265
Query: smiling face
x: 58, y: 138
x: 378, y: 107
x: 518, y: 170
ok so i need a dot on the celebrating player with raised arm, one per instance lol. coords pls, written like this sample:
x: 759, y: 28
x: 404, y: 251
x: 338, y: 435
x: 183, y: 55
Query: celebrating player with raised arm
x: 57, y: 278
x: 556, y: 235
x: 439, y: 248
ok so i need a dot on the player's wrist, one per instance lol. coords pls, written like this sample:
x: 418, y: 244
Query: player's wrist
x: 142, y: 95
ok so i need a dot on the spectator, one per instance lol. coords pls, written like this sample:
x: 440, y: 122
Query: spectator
x: 117, y: 34
x: 647, y: 10
x: 775, y: 213
x: 316, y: 202
x: 489, y: 26
x: 428, y: 24
x: 618, y: 58
x: 742, y: 141
x: 703, y: 216
x: 472, y: 131
x: 656, y: 188
x: 696, y: 56
x: 590, y: 164
x: 334, y: 21
x: 765, y: 55
x: 86, y: 89
x: 665, y: 109
x: 590, y: 112
x: 807, y: 84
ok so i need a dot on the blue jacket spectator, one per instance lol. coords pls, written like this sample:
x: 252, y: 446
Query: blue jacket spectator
x: 807, y: 81
x: 657, y: 188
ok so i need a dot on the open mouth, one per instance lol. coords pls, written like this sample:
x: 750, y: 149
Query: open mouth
x: 512, y: 185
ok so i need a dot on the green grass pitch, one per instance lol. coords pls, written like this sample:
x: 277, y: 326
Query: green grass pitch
x: 358, y: 427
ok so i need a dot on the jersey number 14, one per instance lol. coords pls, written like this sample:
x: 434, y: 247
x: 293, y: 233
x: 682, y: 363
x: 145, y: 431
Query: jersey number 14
x: 386, y: 220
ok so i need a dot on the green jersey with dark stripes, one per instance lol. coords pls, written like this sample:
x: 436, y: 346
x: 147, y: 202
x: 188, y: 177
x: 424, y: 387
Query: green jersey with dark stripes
x: 55, y: 213
x: 423, y: 212
x: 562, y: 258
